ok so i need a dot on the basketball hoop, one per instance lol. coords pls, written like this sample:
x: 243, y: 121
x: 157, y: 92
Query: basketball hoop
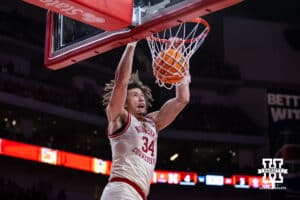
x: 172, y: 49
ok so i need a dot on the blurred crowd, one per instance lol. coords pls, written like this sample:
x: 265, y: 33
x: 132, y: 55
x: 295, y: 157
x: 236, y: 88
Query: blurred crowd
x: 216, y: 118
x: 88, y: 139
x: 211, y: 118
x: 11, y: 190
x: 16, y: 25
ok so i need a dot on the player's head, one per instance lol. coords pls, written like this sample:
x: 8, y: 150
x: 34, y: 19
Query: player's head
x: 138, y: 95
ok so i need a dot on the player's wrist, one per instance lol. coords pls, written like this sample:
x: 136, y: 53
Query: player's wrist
x: 186, y: 79
x: 132, y: 44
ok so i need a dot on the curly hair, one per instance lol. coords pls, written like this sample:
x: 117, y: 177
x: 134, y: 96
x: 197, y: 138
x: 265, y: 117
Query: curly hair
x: 134, y: 82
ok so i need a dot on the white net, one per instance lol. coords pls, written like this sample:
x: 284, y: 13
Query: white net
x: 172, y: 49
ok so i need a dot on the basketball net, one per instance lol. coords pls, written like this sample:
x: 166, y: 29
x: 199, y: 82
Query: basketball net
x: 172, y: 49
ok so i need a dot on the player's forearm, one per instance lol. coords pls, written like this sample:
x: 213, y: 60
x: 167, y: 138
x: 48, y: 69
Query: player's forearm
x: 124, y: 68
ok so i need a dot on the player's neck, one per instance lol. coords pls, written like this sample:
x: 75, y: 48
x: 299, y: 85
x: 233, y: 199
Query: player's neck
x: 140, y: 116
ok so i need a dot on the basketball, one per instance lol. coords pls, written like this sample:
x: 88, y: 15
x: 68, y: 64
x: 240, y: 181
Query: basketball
x: 170, y: 66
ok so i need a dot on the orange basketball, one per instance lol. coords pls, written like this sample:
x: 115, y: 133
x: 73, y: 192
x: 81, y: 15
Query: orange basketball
x: 170, y: 66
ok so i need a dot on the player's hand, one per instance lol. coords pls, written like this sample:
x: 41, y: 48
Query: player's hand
x: 132, y: 44
x: 187, y: 78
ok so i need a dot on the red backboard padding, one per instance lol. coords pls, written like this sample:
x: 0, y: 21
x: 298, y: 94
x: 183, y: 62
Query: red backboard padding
x: 107, y: 15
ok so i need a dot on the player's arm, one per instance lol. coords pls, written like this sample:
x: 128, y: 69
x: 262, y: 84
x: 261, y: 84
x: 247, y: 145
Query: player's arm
x: 115, y: 107
x: 169, y: 111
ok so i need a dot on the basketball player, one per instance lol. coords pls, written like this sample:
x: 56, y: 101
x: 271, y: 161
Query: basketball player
x: 132, y: 132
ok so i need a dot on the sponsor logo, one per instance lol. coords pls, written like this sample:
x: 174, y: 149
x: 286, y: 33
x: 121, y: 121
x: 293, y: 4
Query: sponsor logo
x: 272, y: 173
x: 72, y: 10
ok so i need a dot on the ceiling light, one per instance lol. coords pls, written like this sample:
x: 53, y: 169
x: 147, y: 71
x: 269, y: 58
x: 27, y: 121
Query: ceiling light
x: 174, y: 157
x: 13, y: 122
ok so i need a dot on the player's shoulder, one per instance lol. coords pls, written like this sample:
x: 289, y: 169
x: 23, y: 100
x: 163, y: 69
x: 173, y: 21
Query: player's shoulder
x: 119, y: 125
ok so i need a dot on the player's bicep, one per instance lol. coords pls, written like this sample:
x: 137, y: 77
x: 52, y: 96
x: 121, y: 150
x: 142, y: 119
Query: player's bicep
x: 116, y: 103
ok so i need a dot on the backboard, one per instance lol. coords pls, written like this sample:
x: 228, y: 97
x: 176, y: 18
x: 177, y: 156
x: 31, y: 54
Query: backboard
x: 69, y: 41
